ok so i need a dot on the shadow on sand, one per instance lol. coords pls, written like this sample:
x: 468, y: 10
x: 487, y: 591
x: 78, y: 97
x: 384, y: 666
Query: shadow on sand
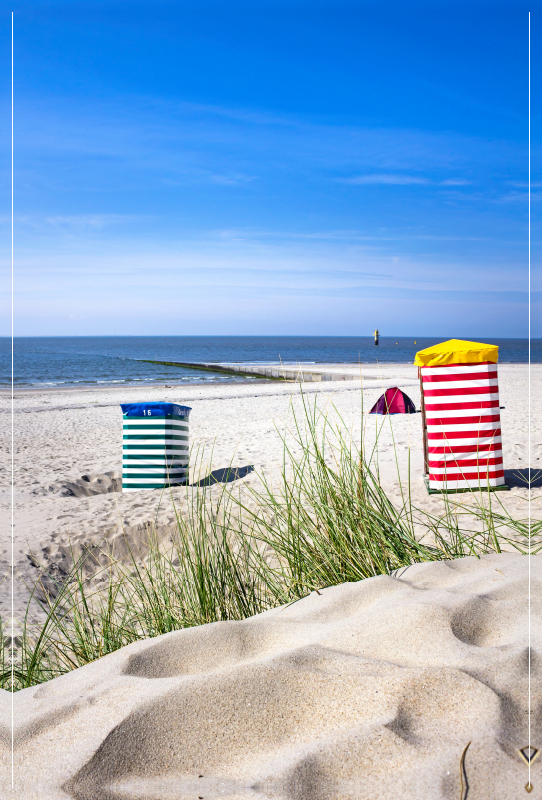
x: 225, y: 475
x: 520, y: 478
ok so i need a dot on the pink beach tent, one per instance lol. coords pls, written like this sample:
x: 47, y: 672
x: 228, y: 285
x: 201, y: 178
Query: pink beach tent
x: 393, y: 401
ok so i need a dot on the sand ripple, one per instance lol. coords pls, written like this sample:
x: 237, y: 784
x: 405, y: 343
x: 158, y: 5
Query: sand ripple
x: 367, y: 690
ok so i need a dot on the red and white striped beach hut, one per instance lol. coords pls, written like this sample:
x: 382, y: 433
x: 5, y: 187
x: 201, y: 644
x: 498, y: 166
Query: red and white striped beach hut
x: 461, y: 416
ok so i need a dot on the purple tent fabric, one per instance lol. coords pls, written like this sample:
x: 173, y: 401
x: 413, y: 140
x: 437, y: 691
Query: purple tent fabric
x: 393, y: 401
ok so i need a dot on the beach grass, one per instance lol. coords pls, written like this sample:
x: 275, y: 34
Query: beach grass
x: 235, y: 553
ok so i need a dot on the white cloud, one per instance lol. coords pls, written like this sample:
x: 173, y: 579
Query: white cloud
x: 88, y: 220
x: 401, y: 180
x: 525, y: 184
x: 455, y: 182
x: 385, y: 179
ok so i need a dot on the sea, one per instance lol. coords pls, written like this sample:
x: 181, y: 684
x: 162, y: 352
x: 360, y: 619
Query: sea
x: 41, y: 362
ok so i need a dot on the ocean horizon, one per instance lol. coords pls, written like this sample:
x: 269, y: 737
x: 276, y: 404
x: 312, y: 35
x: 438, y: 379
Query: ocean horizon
x: 66, y: 361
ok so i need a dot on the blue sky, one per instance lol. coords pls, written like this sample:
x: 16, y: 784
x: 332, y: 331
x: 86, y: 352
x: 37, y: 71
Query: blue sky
x: 271, y: 167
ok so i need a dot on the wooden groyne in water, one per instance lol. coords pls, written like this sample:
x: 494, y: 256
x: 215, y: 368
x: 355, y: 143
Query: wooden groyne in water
x: 274, y: 372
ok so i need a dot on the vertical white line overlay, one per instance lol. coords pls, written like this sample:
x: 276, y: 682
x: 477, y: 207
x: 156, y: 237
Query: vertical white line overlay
x: 529, y: 399
x: 12, y: 447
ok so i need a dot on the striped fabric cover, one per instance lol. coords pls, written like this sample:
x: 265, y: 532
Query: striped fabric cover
x: 463, y: 426
x: 155, y: 448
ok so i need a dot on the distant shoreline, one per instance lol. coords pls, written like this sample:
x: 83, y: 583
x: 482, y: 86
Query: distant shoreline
x: 34, y: 390
x: 30, y: 390
x: 88, y: 363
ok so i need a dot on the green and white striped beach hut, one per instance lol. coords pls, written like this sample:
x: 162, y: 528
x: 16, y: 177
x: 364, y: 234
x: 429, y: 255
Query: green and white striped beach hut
x: 154, y: 445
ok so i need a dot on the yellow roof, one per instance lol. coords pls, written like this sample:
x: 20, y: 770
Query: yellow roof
x: 456, y: 351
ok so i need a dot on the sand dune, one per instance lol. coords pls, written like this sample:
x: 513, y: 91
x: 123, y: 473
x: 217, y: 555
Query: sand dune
x: 366, y: 690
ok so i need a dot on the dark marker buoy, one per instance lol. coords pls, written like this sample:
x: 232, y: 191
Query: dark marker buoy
x: 376, y: 336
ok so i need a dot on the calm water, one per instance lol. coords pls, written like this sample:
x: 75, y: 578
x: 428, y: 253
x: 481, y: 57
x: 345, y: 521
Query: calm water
x: 108, y: 360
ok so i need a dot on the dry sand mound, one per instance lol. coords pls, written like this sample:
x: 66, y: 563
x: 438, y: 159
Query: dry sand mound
x: 89, y: 485
x: 365, y: 690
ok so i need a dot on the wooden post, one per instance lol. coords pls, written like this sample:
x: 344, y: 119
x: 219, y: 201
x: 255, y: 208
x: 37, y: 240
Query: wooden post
x: 424, y: 428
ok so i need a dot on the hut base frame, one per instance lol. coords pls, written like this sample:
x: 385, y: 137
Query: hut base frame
x: 503, y: 488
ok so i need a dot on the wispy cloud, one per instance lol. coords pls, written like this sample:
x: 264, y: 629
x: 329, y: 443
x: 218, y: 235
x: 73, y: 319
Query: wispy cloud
x: 525, y: 184
x: 143, y: 137
x: 390, y: 235
x: 401, y: 180
x: 88, y: 220
x: 385, y: 179
x: 455, y: 182
x: 225, y: 200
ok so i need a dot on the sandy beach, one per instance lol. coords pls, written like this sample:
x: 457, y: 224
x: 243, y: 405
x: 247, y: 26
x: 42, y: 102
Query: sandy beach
x: 68, y: 451
x: 406, y: 686
x: 273, y: 214
x: 367, y: 689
